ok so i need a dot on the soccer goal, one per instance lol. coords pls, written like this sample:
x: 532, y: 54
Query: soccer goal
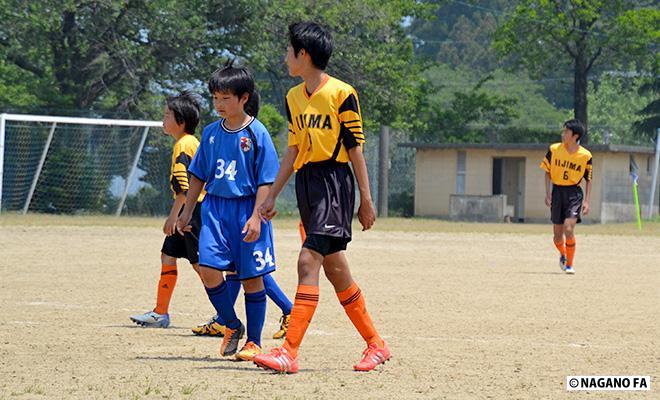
x: 83, y: 165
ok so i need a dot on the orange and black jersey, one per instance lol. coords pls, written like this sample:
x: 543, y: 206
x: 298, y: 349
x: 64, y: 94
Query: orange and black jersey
x: 567, y: 169
x: 182, y: 154
x: 326, y: 124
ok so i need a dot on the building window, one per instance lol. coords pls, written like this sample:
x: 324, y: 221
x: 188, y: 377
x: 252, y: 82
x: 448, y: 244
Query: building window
x: 633, y: 168
x: 649, y: 165
x: 460, y: 172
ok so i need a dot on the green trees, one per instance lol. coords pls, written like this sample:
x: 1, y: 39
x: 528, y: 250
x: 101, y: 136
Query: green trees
x: 103, y: 55
x: 542, y: 34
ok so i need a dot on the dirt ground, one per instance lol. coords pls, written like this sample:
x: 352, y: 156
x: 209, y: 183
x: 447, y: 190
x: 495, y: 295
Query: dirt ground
x: 470, y: 312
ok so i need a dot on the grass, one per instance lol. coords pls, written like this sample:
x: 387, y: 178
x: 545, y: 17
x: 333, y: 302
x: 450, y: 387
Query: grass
x: 421, y: 225
x: 187, y: 390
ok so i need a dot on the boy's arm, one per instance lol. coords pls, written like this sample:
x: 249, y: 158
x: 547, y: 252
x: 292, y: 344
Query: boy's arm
x: 195, y: 188
x: 546, y: 167
x: 366, y: 212
x: 548, y: 190
x: 267, y: 207
x: 252, y: 228
x: 170, y: 224
x: 588, y: 174
x: 585, y: 203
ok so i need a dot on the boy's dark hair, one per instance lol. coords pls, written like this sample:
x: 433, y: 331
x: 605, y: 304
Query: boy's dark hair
x: 238, y: 81
x: 315, y: 39
x: 186, y: 109
x: 576, y: 127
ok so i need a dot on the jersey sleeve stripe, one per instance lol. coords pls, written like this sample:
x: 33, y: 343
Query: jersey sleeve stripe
x: 177, y: 187
x: 350, y: 104
x: 184, y: 159
x: 288, y: 111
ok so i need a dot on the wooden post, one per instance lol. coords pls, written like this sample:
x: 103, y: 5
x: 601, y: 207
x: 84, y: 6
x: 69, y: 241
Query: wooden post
x: 383, y: 170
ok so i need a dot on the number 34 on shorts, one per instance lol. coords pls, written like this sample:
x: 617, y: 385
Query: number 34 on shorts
x: 263, y: 259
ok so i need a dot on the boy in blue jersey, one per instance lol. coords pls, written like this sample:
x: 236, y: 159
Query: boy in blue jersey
x: 236, y: 163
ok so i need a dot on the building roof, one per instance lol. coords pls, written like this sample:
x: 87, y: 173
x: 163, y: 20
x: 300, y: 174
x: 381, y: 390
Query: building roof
x: 610, y: 148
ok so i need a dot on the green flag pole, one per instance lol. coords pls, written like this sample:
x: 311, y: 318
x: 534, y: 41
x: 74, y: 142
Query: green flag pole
x: 639, y: 214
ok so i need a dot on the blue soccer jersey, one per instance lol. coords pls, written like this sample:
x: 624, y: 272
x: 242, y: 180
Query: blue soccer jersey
x: 234, y: 163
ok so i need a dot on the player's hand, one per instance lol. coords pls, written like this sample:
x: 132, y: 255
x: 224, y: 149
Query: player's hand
x: 585, y: 208
x: 267, y: 209
x: 183, y: 223
x: 169, y: 228
x: 252, y: 229
x: 366, y: 215
x: 548, y: 200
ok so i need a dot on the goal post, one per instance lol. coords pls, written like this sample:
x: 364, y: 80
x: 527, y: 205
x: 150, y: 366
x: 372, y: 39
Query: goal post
x: 68, y: 164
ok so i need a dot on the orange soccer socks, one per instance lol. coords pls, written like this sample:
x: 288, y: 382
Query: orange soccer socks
x: 560, y: 246
x: 165, y: 288
x: 307, y: 298
x: 353, y: 302
x: 570, y: 251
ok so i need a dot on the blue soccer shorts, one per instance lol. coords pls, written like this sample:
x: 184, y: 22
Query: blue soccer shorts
x: 221, y: 244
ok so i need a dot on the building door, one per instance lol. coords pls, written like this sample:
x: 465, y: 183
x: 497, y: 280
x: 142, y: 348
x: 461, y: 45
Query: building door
x: 509, y: 179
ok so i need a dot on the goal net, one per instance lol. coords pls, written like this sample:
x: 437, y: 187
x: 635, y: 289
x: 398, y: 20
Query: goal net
x: 83, y: 166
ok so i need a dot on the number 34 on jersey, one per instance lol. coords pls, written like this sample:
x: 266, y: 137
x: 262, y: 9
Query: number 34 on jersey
x: 263, y: 259
x: 225, y: 169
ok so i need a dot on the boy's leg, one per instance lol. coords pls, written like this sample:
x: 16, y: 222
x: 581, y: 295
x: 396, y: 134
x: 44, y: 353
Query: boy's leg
x: 233, y: 285
x: 307, y: 298
x: 283, y: 359
x: 216, y: 325
x: 216, y: 256
x: 218, y: 293
x: 569, y: 229
x: 159, y: 317
x: 350, y: 296
x: 276, y: 294
x: 558, y: 239
x: 255, y: 311
x: 166, y: 284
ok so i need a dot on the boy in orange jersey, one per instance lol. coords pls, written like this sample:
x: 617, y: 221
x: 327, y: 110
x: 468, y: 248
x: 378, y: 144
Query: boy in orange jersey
x: 180, y: 120
x: 325, y: 134
x: 565, y: 165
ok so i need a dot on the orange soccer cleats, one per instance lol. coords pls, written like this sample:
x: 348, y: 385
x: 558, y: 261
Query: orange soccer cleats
x: 372, y: 356
x: 278, y: 360
x: 248, y: 352
x: 229, y: 344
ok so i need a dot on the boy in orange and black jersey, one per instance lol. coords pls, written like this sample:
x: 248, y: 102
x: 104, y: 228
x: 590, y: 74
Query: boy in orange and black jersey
x: 325, y: 135
x: 180, y: 120
x: 566, y: 164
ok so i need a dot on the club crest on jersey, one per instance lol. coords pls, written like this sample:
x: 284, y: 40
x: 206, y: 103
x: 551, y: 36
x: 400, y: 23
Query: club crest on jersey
x: 246, y: 144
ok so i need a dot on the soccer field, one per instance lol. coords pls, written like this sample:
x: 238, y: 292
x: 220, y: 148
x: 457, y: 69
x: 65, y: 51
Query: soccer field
x: 469, y: 310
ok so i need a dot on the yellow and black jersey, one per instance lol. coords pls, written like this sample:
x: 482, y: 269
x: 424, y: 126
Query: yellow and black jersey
x: 182, y: 154
x: 567, y: 169
x: 326, y: 124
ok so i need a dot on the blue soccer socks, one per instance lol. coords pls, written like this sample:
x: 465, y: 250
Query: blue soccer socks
x: 255, y: 309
